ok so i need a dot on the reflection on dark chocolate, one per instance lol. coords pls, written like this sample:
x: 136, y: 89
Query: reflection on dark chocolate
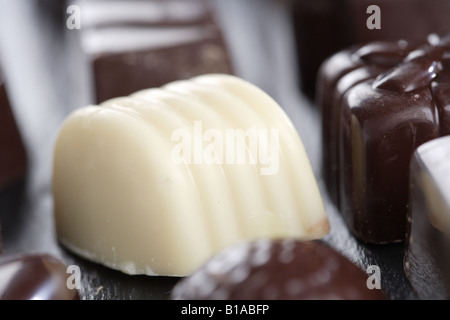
x: 143, y: 44
x: 427, y: 259
x: 13, y: 161
x: 323, y: 27
x: 379, y: 103
x: 337, y: 75
x: 34, y: 277
x: 284, y: 269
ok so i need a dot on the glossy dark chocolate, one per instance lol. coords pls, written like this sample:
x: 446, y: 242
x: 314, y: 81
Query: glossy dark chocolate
x: 338, y: 74
x: 277, y: 270
x: 13, y: 160
x: 427, y: 259
x: 175, y: 40
x: 375, y: 112
x: 324, y: 27
x: 34, y: 277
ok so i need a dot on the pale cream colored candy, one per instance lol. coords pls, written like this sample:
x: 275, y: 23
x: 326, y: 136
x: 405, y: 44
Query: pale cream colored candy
x: 130, y: 192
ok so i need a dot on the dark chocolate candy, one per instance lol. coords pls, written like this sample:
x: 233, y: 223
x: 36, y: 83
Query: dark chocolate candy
x: 13, y: 160
x: 427, y: 259
x: 342, y: 71
x: 151, y: 43
x: 323, y: 27
x: 376, y: 110
x: 277, y: 270
x: 34, y: 277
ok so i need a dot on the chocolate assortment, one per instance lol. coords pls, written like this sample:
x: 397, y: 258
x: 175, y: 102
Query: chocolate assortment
x: 34, y: 277
x: 283, y: 269
x: 132, y: 187
x: 378, y: 106
x: 134, y: 45
x: 427, y: 258
x: 338, y: 24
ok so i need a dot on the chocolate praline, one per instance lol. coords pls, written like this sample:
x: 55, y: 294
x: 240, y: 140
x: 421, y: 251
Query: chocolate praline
x: 34, y: 277
x: 283, y: 269
x: 378, y: 114
x: 337, y: 75
x: 135, y: 45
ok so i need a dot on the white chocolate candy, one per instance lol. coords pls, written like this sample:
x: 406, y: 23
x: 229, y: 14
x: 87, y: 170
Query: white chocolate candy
x: 158, y: 182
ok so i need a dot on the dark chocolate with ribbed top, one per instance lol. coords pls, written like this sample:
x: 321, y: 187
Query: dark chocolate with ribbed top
x: 341, y: 72
x: 374, y: 115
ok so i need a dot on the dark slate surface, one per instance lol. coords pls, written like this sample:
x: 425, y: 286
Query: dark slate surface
x: 46, y: 82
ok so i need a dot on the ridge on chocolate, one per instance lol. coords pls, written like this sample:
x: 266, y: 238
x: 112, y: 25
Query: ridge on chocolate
x: 427, y: 259
x: 125, y: 198
x: 375, y: 113
x: 134, y: 45
x: 280, y: 269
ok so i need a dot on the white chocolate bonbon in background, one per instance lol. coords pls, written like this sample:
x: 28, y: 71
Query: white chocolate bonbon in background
x: 120, y: 199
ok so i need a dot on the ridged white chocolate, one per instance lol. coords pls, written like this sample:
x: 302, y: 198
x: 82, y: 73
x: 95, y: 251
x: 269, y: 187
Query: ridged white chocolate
x: 120, y: 199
